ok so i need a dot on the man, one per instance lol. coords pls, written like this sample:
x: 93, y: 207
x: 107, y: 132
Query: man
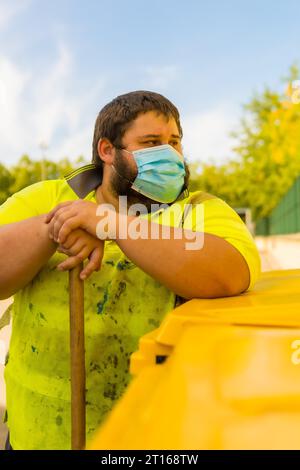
x: 131, y: 280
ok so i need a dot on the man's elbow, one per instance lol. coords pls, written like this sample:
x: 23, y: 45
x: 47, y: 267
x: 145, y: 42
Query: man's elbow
x: 236, y: 278
x: 216, y: 286
x: 236, y: 285
x: 5, y: 293
x: 8, y: 287
x: 221, y: 288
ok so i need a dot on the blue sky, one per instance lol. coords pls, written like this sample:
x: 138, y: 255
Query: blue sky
x: 61, y: 61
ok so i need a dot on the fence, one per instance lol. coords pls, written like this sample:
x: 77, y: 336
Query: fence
x: 285, y: 218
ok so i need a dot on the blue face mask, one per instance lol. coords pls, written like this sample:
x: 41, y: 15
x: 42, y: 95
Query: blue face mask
x: 161, y: 173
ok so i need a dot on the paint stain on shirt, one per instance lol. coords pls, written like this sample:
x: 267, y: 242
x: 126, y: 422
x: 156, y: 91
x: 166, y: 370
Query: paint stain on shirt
x: 100, y: 305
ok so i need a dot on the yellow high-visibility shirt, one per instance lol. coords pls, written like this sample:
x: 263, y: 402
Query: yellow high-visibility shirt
x: 121, y: 303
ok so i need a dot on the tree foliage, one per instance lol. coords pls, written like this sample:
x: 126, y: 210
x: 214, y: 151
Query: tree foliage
x: 28, y: 171
x: 6, y: 181
x: 266, y: 158
x: 265, y: 162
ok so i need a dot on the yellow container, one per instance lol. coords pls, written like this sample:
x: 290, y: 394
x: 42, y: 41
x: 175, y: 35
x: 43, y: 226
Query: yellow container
x: 217, y: 374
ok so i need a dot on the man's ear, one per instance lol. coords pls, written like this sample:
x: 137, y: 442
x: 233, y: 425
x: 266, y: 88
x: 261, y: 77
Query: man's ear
x: 106, y: 151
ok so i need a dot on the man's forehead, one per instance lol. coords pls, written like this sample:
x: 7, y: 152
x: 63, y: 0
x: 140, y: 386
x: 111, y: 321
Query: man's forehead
x: 151, y: 124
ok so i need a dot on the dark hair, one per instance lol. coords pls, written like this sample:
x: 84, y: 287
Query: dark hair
x: 115, y: 118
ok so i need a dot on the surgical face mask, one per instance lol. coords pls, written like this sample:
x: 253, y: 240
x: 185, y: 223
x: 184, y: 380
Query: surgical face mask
x: 160, y: 174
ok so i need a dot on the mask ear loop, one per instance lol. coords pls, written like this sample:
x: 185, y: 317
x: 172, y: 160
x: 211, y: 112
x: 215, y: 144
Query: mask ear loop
x: 121, y: 176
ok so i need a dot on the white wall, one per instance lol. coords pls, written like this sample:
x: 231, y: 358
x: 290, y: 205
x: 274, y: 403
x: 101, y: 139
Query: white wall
x: 280, y: 251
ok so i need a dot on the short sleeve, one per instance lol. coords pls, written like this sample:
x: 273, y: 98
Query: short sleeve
x: 216, y: 217
x: 31, y: 201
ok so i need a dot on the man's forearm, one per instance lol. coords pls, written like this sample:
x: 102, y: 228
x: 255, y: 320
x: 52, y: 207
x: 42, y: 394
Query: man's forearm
x: 24, y: 248
x: 215, y: 270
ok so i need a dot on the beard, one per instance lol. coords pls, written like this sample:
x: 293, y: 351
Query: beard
x: 123, y: 176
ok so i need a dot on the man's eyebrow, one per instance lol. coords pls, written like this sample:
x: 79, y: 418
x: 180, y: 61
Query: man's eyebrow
x: 156, y: 136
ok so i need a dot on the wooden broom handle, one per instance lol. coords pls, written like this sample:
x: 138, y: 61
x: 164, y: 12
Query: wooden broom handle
x: 76, y: 292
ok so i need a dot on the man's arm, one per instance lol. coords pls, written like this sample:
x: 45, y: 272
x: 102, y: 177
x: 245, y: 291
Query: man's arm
x: 25, y: 248
x: 215, y: 270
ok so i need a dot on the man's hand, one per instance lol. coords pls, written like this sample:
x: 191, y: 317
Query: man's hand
x: 71, y: 215
x: 80, y: 245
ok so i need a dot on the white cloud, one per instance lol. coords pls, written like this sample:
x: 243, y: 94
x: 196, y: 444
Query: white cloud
x: 12, y: 84
x: 43, y: 107
x: 11, y: 8
x: 160, y: 77
x: 206, y: 134
x: 80, y: 143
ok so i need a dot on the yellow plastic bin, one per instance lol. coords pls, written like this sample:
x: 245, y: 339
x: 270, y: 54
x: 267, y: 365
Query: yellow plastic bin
x: 217, y: 374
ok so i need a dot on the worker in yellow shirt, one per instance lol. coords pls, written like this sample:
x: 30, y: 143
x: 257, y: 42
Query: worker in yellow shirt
x: 147, y: 241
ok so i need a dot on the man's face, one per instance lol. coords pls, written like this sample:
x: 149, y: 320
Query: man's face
x: 147, y: 130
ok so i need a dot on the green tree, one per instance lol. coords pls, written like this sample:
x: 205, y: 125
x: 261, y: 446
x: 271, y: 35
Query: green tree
x: 266, y: 157
x: 6, y: 180
x: 28, y: 171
